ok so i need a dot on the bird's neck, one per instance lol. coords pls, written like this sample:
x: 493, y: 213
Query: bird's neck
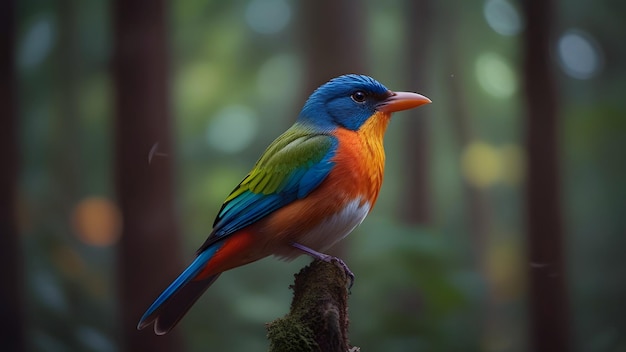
x: 371, y: 134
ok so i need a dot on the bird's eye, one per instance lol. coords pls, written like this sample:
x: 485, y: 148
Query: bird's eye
x: 358, y: 96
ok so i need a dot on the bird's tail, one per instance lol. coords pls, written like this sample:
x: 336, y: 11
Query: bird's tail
x: 179, y: 296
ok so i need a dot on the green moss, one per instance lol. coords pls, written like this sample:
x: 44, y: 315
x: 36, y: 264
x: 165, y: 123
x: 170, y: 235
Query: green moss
x: 287, y: 334
x: 318, y: 318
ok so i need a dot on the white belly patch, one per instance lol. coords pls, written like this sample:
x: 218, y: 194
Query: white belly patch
x: 332, y: 229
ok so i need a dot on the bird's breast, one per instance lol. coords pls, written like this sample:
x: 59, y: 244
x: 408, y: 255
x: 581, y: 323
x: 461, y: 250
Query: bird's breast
x: 360, y: 159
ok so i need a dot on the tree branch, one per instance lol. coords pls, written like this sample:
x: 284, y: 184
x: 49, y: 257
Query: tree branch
x: 318, y: 317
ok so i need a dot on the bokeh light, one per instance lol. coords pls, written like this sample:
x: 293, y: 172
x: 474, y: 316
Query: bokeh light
x: 197, y: 87
x: 97, y: 221
x: 579, y: 54
x: 232, y: 129
x: 495, y: 75
x: 502, y: 17
x: 279, y: 78
x: 37, y: 43
x: 484, y: 165
x: 481, y: 164
x: 49, y: 291
x: 268, y: 16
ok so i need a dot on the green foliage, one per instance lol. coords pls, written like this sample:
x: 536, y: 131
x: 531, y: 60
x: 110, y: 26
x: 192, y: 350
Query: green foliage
x: 410, y: 280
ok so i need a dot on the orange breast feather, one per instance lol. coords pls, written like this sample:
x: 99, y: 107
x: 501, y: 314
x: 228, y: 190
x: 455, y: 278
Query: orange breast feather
x: 360, y: 159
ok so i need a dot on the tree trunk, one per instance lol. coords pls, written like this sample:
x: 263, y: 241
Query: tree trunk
x: 11, y: 282
x: 67, y: 128
x: 416, y: 200
x: 148, y: 257
x: 318, y: 317
x: 477, y: 208
x: 549, y: 315
x: 332, y: 33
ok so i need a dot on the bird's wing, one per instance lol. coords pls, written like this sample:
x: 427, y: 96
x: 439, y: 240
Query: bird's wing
x: 291, y: 167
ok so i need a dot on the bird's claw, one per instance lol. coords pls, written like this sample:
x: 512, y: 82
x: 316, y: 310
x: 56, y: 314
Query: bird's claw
x: 328, y: 259
x: 346, y: 269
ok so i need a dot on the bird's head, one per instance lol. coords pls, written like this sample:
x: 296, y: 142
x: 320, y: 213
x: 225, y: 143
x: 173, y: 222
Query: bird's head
x: 349, y: 101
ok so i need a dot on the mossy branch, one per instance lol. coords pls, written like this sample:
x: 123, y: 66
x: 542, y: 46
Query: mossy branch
x: 318, y: 317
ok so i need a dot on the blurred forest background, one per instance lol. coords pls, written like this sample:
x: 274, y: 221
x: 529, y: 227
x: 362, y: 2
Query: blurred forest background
x: 500, y: 225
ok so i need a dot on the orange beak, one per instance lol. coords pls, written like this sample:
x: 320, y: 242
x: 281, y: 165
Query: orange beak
x: 399, y: 101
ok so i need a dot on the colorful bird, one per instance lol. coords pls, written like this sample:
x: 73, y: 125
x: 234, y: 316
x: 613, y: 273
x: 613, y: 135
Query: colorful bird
x: 312, y: 186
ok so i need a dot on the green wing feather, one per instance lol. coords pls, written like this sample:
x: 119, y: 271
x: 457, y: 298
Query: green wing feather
x: 291, y: 167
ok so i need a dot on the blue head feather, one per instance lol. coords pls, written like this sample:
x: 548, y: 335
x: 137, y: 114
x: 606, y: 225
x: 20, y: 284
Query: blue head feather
x: 334, y: 104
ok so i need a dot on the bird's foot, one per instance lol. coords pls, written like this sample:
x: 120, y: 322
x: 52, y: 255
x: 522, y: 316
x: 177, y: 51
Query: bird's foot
x: 328, y: 259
